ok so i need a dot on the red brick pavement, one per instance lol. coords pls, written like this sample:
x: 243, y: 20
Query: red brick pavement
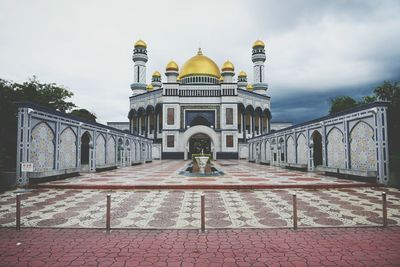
x: 239, y: 247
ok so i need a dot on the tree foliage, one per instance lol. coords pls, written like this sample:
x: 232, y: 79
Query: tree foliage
x: 341, y: 103
x: 46, y: 94
x: 387, y: 91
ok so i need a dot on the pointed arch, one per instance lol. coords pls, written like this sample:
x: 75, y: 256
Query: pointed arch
x: 335, y: 148
x: 362, y: 147
x: 68, y: 149
x: 42, y: 150
x: 100, y: 150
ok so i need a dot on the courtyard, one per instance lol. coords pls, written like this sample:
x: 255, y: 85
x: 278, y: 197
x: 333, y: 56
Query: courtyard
x: 155, y: 219
x: 157, y: 196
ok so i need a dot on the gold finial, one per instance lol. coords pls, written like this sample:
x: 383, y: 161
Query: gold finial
x: 200, y: 53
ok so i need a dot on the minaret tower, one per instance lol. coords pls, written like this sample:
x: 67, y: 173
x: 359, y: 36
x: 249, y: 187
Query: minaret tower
x: 242, y: 80
x: 139, y: 70
x: 258, y: 58
x: 156, y: 80
x: 171, y: 71
x: 228, y: 71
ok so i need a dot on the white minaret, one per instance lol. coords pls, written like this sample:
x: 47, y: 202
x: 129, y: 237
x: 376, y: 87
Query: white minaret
x: 171, y: 71
x: 258, y: 58
x: 139, y: 70
x: 242, y: 80
x: 156, y: 80
x: 228, y: 71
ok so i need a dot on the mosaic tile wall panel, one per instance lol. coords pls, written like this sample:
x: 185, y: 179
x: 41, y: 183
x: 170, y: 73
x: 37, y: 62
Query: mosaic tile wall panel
x: 291, y: 150
x: 362, y: 147
x: 42, y: 148
x: 336, y: 150
x: 67, y: 149
x: 111, y: 150
x: 100, y: 150
x: 302, y: 157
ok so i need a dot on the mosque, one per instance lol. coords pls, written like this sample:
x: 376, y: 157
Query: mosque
x: 200, y: 106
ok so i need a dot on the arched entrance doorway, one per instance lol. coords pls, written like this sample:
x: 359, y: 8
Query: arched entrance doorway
x: 199, y: 142
x: 317, y: 148
x: 85, y: 151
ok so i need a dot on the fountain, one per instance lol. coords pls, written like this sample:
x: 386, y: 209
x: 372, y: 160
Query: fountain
x: 202, y: 162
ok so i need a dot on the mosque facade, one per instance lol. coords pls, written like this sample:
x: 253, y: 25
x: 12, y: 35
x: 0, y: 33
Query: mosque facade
x: 200, y: 107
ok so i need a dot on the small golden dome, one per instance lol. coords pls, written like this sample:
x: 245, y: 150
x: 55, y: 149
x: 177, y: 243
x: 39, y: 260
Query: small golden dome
x: 156, y: 74
x: 141, y: 43
x: 228, y: 66
x: 221, y: 79
x: 242, y: 74
x: 258, y: 43
x: 200, y: 65
x: 249, y: 87
x: 172, y: 66
x: 178, y: 79
x: 149, y: 87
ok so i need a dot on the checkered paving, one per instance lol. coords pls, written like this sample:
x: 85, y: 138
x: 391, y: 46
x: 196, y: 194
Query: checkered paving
x: 181, y: 209
x: 167, y: 172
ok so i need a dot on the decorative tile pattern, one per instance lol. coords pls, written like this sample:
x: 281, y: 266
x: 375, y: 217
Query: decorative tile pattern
x: 302, y: 150
x: 111, y: 150
x: 291, y: 150
x: 336, y: 149
x: 68, y: 149
x: 42, y: 148
x: 100, y: 150
x: 167, y: 172
x: 362, y: 147
x: 181, y: 209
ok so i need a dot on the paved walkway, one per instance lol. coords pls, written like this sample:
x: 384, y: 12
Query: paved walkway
x: 311, y: 247
x: 165, y: 174
x: 177, y: 209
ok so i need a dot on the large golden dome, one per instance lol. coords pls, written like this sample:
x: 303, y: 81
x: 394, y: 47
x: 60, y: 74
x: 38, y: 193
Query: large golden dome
x: 200, y: 65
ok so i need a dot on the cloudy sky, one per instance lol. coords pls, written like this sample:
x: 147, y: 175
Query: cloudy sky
x: 315, y: 49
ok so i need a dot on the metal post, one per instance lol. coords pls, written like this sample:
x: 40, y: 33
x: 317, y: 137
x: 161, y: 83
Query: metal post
x: 384, y: 209
x: 18, y: 212
x: 294, y: 212
x: 203, y: 214
x: 108, y: 215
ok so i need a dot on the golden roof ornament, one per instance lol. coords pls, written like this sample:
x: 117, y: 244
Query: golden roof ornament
x: 140, y: 43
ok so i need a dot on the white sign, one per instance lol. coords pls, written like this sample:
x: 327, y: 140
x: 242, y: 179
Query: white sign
x: 27, y: 167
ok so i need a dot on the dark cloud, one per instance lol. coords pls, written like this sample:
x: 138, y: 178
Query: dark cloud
x: 302, y: 105
x: 315, y: 49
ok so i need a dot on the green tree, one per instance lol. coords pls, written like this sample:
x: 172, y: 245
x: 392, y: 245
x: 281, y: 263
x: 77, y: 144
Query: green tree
x: 341, y: 103
x: 367, y: 99
x: 84, y: 113
x: 46, y: 94
x: 390, y: 91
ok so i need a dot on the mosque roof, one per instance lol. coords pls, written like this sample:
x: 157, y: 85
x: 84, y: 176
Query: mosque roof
x: 200, y: 65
